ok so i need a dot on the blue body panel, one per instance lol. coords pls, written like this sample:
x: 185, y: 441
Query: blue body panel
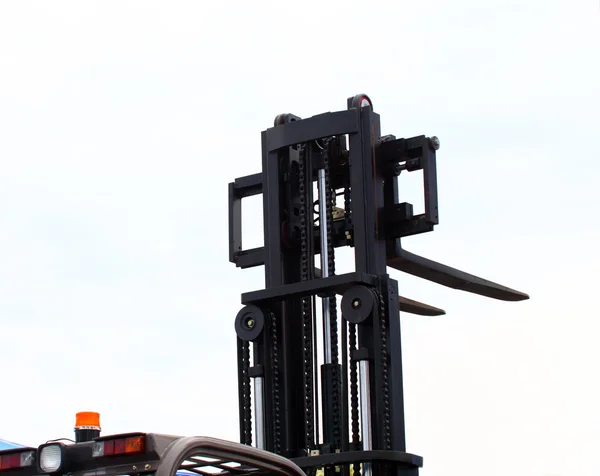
x: 8, y: 445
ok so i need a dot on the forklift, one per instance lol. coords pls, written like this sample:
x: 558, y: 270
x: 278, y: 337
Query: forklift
x: 319, y: 352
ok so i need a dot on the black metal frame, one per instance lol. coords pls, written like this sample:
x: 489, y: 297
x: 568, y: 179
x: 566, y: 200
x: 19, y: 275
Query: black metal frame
x: 374, y: 224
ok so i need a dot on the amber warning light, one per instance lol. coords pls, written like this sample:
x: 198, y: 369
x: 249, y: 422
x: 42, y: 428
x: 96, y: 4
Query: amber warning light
x: 87, y: 421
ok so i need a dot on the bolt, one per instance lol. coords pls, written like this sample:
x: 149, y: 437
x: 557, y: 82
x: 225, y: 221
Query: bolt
x: 148, y: 467
x: 435, y: 142
x: 356, y: 303
x: 250, y: 323
x: 134, y: 468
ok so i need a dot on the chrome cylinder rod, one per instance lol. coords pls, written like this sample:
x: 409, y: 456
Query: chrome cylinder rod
x: 365, y: 411
x: 259, y: 403
x: 324, y: 263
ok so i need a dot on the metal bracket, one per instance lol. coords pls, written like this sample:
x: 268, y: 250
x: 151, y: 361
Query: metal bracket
x: 397, y: 155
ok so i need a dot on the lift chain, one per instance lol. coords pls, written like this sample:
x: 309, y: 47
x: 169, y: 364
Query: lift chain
x: 387, y: 438
x: 246, y: 395
x: 333, y: 323
x: 354, y: 394
x: 307, y: 329
x: 276, y: 398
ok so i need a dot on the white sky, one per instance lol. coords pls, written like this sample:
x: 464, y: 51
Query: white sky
x: 122, y: 122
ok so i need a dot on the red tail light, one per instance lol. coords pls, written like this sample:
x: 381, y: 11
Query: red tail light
x: 120, y: 446
x: 17, y: 459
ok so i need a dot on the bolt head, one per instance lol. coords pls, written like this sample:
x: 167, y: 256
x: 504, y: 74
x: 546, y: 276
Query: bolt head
x: 435, y: 142
x: 250, y: 323
x: 356, y: 303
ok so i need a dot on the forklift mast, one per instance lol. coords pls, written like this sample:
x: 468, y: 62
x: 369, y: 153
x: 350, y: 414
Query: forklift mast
x: 319, y: 353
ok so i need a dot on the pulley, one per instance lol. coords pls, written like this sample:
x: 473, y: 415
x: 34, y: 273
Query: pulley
x: 358, y: 304
x: 249, y: 323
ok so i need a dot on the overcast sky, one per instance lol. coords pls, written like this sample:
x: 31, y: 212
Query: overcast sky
x: 122, y: 122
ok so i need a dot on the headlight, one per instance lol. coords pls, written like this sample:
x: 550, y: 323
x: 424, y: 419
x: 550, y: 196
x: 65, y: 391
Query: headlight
x: 51, y: 457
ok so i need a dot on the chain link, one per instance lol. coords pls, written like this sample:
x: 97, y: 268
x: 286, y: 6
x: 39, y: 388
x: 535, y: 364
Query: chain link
x: 307, y: 329
x: 246, y: 395
x: 354, y: 393
x: 276, y: 397
x: 387, y: 438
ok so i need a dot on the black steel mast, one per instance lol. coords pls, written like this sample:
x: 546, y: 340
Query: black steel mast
x: 355, y: 378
